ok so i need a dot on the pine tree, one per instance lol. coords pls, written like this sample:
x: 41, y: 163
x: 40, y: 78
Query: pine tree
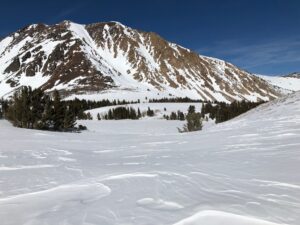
x: 203, y: 110
x: 132, y: 114
x: 46, y: 122
x: 180, y: 115
x: 194, y: 123
x: 69, y: 120
x: 150, y: 112
x: 58, y: 112
x: 110, y: 115
x: 173, y: 116
x: 89, y: 116
x: 191, y: 109
x: 139, y: 113
x: 37, y: 105
x: 98, y: 116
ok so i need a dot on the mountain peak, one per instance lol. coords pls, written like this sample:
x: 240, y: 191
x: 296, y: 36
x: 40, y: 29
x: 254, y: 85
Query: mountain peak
x: 109, y: 57
x: 109, y: 23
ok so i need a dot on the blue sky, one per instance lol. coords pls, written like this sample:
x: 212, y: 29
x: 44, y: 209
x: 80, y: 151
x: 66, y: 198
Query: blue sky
x: 261, y: 36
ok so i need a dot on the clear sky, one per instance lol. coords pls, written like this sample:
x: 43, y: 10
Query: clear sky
x: 261, y: 36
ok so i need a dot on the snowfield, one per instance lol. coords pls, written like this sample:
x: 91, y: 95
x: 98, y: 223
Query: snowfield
x: 286, y: 83
x: 242, y: 172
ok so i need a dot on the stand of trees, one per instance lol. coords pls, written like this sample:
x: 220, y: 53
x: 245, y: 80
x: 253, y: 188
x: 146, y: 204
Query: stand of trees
x: 34, y: 109
x: 218, y: 111
x: 79, y: 106
x: 222, y: 112
x: 175, y: 116
x: 121, y: 113
x: 178, y: 99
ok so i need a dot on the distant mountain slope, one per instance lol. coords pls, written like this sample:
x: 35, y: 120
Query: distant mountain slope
x: 98, y: 59
x: 289, y: 82
x: 295, y: 75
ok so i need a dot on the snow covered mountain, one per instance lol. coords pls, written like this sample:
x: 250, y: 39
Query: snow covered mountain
x: 294, y: 75
x: 241, y: 172
x: 110, y: 60
x: 287, y: 83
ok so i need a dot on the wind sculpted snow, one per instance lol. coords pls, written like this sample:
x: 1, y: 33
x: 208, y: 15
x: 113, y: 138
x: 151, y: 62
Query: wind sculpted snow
x: 243, y: 171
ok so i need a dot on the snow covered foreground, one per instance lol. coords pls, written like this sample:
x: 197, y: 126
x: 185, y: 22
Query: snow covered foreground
x: 242, y: 172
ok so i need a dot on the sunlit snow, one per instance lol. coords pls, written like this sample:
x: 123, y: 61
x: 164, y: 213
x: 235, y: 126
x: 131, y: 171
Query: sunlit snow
x: 241, y: 172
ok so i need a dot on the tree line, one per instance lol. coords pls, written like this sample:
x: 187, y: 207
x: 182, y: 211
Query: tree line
x: 218, y: 111
x: 37, y: 110
x: 221, y: 111
x: 80, y: 106
x: 178, y: 99
x: 121, y: 112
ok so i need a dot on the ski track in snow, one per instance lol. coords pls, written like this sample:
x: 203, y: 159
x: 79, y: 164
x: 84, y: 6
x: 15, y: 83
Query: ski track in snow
x: 242, y: 172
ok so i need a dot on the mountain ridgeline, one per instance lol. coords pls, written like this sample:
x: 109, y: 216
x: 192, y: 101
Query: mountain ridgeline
x: 112, y: 60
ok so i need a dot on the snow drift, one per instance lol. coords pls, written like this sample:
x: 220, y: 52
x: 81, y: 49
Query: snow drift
x: 240, y: 172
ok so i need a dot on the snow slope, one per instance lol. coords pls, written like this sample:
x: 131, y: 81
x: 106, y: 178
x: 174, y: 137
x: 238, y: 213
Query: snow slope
x: 241, y: 172
x: 285, y: 82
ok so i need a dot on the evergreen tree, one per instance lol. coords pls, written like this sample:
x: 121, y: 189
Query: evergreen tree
x: 173, y: 116
x: 150, y: 112
x: 98, y: 116
x: 89, y: 116
x: 139, y: 113
x: 133, y: 114
x: 69, y: 119
x: 46, y: 123
x: 37, y: 104
x: 110, y: 115
x: 191, y: 109
x: 194, y: 123
x: 180, y: 115
x: 58, y: 112
x: 203, y: 110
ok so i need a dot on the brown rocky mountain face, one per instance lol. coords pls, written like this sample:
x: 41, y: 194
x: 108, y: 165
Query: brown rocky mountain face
x: 109, y: 57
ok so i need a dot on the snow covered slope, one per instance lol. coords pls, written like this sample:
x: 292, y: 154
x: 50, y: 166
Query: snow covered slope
x: 110, y: 60
x: 241, y: 172
x: 289, y: 82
